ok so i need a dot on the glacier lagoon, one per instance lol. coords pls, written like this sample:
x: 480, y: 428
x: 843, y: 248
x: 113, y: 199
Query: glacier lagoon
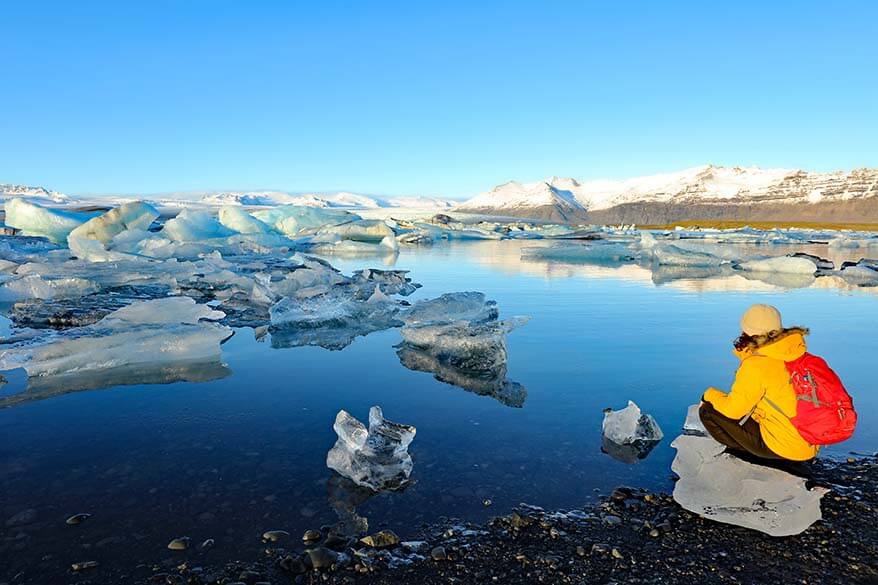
x: 240, y: 448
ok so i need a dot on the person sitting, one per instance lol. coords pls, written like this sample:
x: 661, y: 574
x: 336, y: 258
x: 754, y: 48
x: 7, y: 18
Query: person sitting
x: 754, y: 416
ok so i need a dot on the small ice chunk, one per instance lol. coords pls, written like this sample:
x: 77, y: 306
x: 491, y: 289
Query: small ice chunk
x: 693, y: 425
x: 376, y: 458
x: 629, y: 434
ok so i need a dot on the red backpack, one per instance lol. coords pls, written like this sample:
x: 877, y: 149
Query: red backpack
x: 824, y: 410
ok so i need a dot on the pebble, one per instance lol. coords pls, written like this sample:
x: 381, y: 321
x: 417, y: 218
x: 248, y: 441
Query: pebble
x: 600, y: 548
x: 181, y: 543
x: 275, y: 535
x: 207, y: 544
x: 580, y: 550
x: 311, y: 536
x: 439, y: 554
x: 321, y: 557
x: 612, y: 520
x: 78, y: 519
x: 654, y: 533
x: 84, y: 565
x: 616, y: 554
x: 487, y: 503
x: 382, y: 539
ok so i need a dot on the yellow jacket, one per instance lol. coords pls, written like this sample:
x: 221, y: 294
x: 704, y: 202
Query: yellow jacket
x: 763, y: 375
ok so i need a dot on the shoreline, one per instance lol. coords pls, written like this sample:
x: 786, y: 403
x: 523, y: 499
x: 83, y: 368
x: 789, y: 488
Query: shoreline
x: 632, y: 536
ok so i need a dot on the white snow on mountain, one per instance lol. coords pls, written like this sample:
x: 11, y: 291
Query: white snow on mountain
x: 36, y: 194
x: 343, y: 200
x: 702, y: 184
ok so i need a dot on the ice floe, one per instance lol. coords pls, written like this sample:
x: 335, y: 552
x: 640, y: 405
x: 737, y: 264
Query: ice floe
x: 35, y: 220
x: 719, y: 486
x: 144, y: 337
x: 377, y: 457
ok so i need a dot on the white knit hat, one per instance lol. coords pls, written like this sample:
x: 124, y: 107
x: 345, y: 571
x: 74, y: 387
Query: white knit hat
x: 761, y: 320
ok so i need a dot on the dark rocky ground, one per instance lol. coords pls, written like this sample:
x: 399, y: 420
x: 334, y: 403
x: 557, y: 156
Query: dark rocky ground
x: 632, y: 537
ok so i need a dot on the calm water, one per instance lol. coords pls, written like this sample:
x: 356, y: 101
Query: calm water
x: 231, y: 458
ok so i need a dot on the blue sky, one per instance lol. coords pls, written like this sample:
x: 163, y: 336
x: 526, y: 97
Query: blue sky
x: 436, y: 98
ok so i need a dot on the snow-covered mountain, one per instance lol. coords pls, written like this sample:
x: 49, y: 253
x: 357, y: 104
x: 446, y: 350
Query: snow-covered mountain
x: 344, y: 200
x: 705, y: 192
x: 36, y: 194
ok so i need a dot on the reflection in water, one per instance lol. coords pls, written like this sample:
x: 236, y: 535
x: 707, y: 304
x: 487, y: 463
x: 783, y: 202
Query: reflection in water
x: 629, y: 452
x: 42, y: 387
x: 344, y: 496
x: 491, y: 383
x: 329, y: 337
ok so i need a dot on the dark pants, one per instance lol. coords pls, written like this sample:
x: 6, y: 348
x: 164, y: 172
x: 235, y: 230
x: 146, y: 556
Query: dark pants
x: 744, y: 438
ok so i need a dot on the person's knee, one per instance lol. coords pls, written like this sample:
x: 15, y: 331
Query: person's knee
x: 706, y: 413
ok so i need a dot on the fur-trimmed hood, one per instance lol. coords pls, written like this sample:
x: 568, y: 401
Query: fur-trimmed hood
x: 785, y: 345
x: 758, y: 341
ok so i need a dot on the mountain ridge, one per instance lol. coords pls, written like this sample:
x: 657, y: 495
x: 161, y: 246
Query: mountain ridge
x: 703, y: 192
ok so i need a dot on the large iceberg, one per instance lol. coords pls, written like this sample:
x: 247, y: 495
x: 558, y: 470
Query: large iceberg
x: 129, y: 221
x: 376, y: 458
x: 35, y: 220
x: 719, y: 486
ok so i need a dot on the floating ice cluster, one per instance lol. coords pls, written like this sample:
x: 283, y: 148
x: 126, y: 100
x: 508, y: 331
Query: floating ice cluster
x: 717, y: 255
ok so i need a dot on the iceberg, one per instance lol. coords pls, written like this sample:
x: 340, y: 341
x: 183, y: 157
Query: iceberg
x: 363, y: 230
x: 292, y: 220
x: 671, y: 255
x: 376, y: 458
x: 123, y: 225
x: 36, y: 220
x: 332, y: 316
x: 781, y: 264
x: 235, y: 218
x: 459, y: 337
x: 146, y: 333
x: 590, y: 252
x: 628, y: 434
x: 719, y: 486
x: 193, y: 226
